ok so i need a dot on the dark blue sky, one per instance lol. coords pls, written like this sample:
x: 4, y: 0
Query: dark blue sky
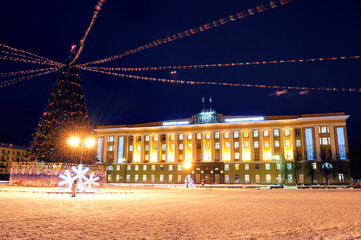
x: 302, y: 29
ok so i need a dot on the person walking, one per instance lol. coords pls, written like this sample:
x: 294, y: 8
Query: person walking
x: 73, y: 188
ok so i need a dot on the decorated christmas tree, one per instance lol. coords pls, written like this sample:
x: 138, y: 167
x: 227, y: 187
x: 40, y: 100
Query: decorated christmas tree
x: 65, y: 116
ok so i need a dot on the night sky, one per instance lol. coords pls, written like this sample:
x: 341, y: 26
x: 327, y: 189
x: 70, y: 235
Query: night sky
x: 302, y: 29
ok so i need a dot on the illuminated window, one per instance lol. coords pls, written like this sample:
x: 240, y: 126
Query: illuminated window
x: 180, y: 136
x: 155, y: 138
x: 226, y: 145
x: 323, y: 129
x: 277, y: 144
x: 136, y: 178
x: 267, y: 166
x: 172, y: 146
x: 208, y: 146
x: 170, y: 168
x: 258, y: 179
x: 341, y: 143
x: 289, y: 178
x: 289, y: 166
x: 226, y: 134
x: 246, y: 178
x: 268, y: 178
x: 298, y: 143
x: 236, y: 145
x: 276, y: 133
x: 152, y: 178
x: 170, y: 178
x: 325, y: 141
x: 246, y: 167
x: 128, y: 177
x: 161, y: 178
x: 287, y: 132
x: 208, y: 136
x: 129, y: 167
x: 245, y: 134
x: 189, y: 146
x: 118, y: 167
x: 189, y: 136
x: 146, y: 157
x: 235, y: 134
x: 236, y: 166
x: 139, y: 147
x: 278, y: 166
x: 314, y: 166
x: 255, y: 144
x: 216, y: 135
x: 246, y: 145
x: 256, y: 166
x: 255, y: 133
x: 172, y: 137
x: 226, y: 178
x: 288, y: 143
x: 144, y: 178
x: 111, y: 139
x: 236, y: 155
x: 155, y: 147
x: 181, y: 146
x: 265, y: 133
x: 164, y: 147
x: 147, y: 138
x: 226, y: 167
x: 130, y: 148
x: 266, y: 144
x: 216, y: 145
x: 136, y: 168
x: 163, y: 157
x: 144, y: 168
x: 146, y: 147
x: 179, y: 168
x: 179, y: 178
x: 110, y: 148
x: 199, y: 136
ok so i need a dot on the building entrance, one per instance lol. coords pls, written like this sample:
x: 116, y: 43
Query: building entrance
x: 209, y: 172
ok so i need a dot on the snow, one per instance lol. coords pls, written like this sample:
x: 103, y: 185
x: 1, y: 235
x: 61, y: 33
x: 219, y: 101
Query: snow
x: 179, y: 213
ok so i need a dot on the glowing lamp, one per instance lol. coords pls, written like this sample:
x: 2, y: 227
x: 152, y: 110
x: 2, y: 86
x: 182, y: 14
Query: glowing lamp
x: 187, y: 165
x: 74, y: 141
x: 89, y: 142
x: 267, y: 155
x: 246, y: 156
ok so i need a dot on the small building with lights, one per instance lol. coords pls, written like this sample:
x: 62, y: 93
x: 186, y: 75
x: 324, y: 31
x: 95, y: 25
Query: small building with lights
x: 291, y: 149
x: 10, y: 153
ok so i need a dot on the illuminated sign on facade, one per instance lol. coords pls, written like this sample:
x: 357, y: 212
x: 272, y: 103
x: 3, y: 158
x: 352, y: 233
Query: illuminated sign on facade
x: 175, y: 123
x: 247, y: 119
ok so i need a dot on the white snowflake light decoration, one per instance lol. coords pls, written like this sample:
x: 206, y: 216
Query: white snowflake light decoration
x: 84, y: 184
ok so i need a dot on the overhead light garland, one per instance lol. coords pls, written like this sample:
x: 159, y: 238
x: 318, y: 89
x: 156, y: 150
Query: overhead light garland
x: 21, y: 79
x: 2, y: 75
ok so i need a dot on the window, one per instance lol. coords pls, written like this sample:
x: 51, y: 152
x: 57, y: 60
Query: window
x: 268, y: 178
x: 139, y: 147
x: 111, y: 148
x: 258, y: 179
x: 179, y: 168
x: 164, y: 137
x: 277, y: 144
x: 226, y: 167
x: 199, y: 156
x: 236, y: 155
x: 246, y: 178
x: 217, y: 156
x: 256, y: 166
x: 181, y: 146
x: 276, y: 133
x: 226, y: 134
x: 128, y: 177
x: 136, y: 178
x: 236, y: 145
x: 226, y: 145
x: 236, y: 167
x: 265, y: 133
x: 180, y: 136
x: 246, y: 145
x: 245, y: 134
x: 278, y: 166
x: 246, y: 167
x: 163, y: 157
x: 118, y: 167
x: 146, y: 157
x: 297, y: 132
x: 152, y: 177
x: 190, y: 146
x: 216, y: 145
x: 144, y: 178
x: 161, y: 178
x: 153, y: 168
x: 288, y: 143
x: 341, y: 178
x: 199, y: 146
x: 179, y: 178
x: 144, y: 168
x: 164, y: 147
x: 208, y: 136
x: 226, y: 178
x: 289, y: 178
x: 146, y: 147
x: 300, y: 178
x: 314, y: 166
x: 110, y: 138
x: 325, y: 141
x: 199, y: 136
x: 216, y: 135
x: 170, y: 178
x: 267, y: 166
x: 208, y: 146
x: 189, y: 136
x: 235, y: 134
x: 298, y: 143
x: 287, y: 132
x: 139, y: 138
x: 129, y: 168
x: 299, y: 154
x: 172, y: 146
x: 324, y: 129
x: 255, y: 133
x: 136, y: 168
x: 172, y: 137
x: 155, y: 138
x: 170, y: 168
x: 289, y: 166
x: 147, y: 138
x: 266, y: 144
x: 155, y: 147
x: 255, y: 144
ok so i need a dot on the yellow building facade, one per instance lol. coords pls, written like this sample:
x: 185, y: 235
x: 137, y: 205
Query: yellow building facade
x: 10, y: 153
x: 295, y: 149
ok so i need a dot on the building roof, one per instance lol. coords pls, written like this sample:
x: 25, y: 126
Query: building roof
x: 13, y: 146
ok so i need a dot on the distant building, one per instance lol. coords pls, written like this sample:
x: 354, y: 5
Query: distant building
x: 10, y: 153
x: 307, y: 148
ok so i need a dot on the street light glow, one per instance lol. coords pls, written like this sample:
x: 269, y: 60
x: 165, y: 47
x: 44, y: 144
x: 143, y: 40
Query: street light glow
x: 187, y: 165
x: 89, y: 142
x: 74, y: 141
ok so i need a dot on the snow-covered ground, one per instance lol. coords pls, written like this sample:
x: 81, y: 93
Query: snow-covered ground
x: 176, y: 213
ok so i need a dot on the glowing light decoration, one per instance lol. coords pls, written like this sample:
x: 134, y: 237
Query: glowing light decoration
x: 84, y: 183
x: 175, y: 123
x: 246, y: 155
x: 247, y: 119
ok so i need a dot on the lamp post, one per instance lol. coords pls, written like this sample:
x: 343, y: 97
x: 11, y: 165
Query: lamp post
x: 77, y: 142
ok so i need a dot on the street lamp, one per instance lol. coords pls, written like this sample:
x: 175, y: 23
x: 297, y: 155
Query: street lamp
x: 76, y: 142
x: 187, y: 165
